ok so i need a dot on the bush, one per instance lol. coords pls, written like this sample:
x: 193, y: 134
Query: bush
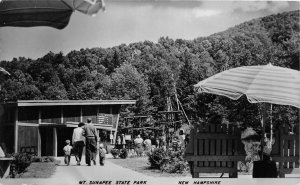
x: 156, y: 157
x: 123, y: 153
x: 20, y: 163
x: 114, y: 152
x: 174, y: 162
x: 169, y: 161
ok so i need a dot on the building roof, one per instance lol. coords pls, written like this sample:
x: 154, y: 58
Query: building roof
x: 24, y: 103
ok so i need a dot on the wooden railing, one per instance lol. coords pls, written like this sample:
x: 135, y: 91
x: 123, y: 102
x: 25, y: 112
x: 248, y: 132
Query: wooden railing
x: 285, y: 150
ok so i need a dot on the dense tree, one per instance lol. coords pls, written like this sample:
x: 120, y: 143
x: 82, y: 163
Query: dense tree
x: 151, y: 72
x: 128, y: 83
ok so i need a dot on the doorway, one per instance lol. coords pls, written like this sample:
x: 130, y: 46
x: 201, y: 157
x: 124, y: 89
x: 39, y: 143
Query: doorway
x: 46, y: 141
x: 62, y: 135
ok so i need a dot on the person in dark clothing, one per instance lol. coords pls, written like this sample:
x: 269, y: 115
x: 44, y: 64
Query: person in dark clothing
x: 91, y: 138
x: 153, y: 141
x: 187, y: 139
x: 78, y: 142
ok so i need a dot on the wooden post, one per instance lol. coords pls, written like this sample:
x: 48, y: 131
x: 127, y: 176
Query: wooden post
x: 97, y: 117
x: 281, y: 147
x: 194, y: 164
x: 54, y: 142
x: 16, y: 130
x: 116, y: 129
x: 297, y: 143
x: 39, y: 147
x: 61, y: 115
x: 271, y: 126
x: 81, y: 118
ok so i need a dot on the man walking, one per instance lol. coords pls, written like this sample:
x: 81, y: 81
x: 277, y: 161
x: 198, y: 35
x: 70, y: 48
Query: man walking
x: 91, y: 139
x: 78, y: 142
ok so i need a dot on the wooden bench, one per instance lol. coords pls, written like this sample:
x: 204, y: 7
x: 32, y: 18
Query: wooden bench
x: 214, y: 148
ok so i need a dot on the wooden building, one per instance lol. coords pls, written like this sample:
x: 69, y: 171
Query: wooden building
x: 42, y: 126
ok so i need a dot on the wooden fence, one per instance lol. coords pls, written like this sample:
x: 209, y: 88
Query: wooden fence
x: 285, y: 150
x: 214, y: 148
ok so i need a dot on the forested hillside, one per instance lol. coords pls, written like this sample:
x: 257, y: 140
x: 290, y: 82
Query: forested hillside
x: 150, y: 72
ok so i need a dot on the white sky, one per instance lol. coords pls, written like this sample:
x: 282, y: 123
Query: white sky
x: 133, y: 21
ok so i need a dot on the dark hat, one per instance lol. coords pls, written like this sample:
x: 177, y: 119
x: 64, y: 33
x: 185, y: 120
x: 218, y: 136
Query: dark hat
x: 89, y: 120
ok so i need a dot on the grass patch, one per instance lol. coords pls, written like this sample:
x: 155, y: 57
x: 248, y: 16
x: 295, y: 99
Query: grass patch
x: 39, y: 170
x: 140, y: 164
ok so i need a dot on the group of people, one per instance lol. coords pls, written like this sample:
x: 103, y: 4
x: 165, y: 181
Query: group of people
x: 151, y: 142
x: 85, y: 135
x: 148, y: 144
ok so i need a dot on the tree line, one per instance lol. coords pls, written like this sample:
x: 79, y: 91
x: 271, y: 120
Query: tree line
x: 150, y: 72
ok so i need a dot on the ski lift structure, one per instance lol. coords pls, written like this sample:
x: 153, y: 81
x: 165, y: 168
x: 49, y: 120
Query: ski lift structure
x: 138, y: 125
x: 173, y: 120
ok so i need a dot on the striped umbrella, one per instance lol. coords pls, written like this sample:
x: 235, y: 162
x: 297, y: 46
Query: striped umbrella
x: 52, y: 13
x: 261, y: 84
x: 265, y: 83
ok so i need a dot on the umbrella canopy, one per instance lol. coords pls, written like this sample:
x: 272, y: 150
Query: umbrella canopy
x: 52, y: 13
x: 89, y: 7
x: 265, y: 83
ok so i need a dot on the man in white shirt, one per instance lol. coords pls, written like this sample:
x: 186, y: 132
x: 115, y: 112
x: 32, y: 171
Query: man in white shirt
x: 139, y: 145
x: 78, y: 142
x: 111, y: 137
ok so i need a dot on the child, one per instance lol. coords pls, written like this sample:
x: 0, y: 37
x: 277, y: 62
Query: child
x: 67, y: 149
x: 102, y: 153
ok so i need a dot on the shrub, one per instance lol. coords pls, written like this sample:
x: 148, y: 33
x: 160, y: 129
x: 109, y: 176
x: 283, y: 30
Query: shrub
x: 156, y: 157
x: 114, y: 152
x: 20, y: 163
x: 174, y: 166
x: 169, y: 161
x: 174, y: 162
x: 123, y: 153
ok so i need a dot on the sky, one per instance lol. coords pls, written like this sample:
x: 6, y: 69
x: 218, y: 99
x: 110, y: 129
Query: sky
x: 129, y: 21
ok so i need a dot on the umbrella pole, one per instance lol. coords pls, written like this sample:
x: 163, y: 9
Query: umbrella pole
x: 263, y: 125
x: 271, y: 127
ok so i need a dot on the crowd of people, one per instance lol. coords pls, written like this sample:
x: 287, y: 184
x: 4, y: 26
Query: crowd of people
x: 148, y: 143
x: 86, y: 135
